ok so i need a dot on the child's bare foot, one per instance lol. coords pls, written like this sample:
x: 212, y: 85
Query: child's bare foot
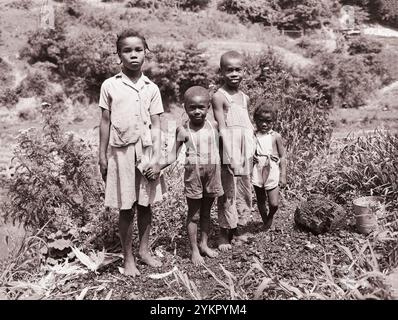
x: 197, y: 259
x: 224, y: 240
x: 148, y: 259
x: 268, y: 223
x: 130, y: 268
x: 205, y: 250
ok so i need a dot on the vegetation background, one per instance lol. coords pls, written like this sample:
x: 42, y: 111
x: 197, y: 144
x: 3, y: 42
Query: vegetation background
x: 334, y: 82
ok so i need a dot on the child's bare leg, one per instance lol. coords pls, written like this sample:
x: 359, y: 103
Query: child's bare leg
x: 144, y: 220
x: 126, y: 218
x: 192, y: 227
x: 205, y: 227
x: 261, y: 203
x: 273, y: 200
x: 226, y: 210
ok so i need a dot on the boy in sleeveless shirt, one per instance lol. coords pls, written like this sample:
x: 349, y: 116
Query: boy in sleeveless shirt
x: 202, y: 176
x: 230, y: 107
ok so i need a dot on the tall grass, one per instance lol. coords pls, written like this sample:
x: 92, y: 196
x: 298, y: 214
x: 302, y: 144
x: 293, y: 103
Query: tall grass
x: 366, y: 165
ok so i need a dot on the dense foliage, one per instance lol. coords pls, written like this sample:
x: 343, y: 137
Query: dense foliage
x: 193, y: 5
x: 174, y: 71
x: 366, y: 165
x: 385, y: 11
x: 81, y: 62
x: 291, y: 15
x: 54, y: 184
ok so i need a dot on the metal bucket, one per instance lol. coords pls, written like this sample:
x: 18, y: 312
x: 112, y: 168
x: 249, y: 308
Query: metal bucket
x: 365, y: 209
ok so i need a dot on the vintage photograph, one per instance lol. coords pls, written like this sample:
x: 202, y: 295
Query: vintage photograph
x: 217, y: 150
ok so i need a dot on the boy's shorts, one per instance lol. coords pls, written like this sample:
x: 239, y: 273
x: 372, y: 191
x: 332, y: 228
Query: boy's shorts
x: 268, y: 181
x: 202, y: 181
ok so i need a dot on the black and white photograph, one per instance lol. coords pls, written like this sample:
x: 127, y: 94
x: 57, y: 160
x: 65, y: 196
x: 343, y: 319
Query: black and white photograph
x: 216, y: 152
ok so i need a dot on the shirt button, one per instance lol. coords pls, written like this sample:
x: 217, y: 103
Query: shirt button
x: 145, y: 122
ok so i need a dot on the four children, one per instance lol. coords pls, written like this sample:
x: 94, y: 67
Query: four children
x: 219, y: 156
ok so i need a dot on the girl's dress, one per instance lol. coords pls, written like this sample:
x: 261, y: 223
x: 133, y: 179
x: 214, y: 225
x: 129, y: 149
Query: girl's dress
x: 130, y: 143
x: 266, y: 171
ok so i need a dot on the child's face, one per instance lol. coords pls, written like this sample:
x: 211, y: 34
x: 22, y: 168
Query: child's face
x: 196, y: 107
x: 132, y: 53
x: 232, y: 72
x: 264, y: 122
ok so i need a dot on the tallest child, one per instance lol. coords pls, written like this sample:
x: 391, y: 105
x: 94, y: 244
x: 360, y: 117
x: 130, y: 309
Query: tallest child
x: 230, y: 107
x: 130, y: 124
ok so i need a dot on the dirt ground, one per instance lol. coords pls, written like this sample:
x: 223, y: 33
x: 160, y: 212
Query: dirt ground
x: 284, y: 252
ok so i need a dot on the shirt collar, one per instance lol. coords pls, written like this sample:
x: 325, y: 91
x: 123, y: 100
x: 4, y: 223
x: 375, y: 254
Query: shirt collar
x: 143, y: 80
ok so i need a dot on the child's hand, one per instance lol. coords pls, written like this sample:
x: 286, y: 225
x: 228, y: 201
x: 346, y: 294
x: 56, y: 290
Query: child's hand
x: 153, y: 171
x: 103, y: 163
x: 255, y: 159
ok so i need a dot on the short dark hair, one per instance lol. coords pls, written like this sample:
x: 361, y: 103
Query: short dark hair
x: 196, y: 91
x: 229, y: 55
x: 265, y: 107
x: 130, y: 33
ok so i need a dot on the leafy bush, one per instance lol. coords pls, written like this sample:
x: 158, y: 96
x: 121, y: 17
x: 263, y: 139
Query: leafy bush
x: 81, y: 62
x: 364, y: 45
x: 6, y: 75
x: 389, y: 12
x: 45, y: 45
x: 35, y: 84
x: 98, y: 20
x: 293, y: 15
x: 265, y: 12
x: 366, y: 165
x: 54, y: 184
x: 20, y: 4
x: 342, y: 80
x: 371, y: 51
x: 384, y: 11
x: 193, y: 5
x: 87, y: 62
x: 8, y: 97
x: 174, y: 71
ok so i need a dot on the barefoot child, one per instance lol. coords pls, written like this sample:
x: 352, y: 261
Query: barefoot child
x: 202, y: 177
x: 270, y: 163
x: 230, y: 107
x: 130, y: 124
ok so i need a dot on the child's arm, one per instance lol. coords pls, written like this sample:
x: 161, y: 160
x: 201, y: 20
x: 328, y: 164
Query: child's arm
x: 180, y: 138
x: 218, y: 111
x: 156, y: 137
x: 172, y: 156
x: 104, y: 130
x: 282, y: 157
x: 153, y: 170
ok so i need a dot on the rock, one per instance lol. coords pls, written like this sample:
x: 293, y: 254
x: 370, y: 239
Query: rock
x: 319, y: 215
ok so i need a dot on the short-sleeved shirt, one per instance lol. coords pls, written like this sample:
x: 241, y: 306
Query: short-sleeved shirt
x: 130, y: 105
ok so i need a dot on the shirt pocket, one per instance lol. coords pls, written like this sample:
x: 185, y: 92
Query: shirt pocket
x: 126, y: 125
